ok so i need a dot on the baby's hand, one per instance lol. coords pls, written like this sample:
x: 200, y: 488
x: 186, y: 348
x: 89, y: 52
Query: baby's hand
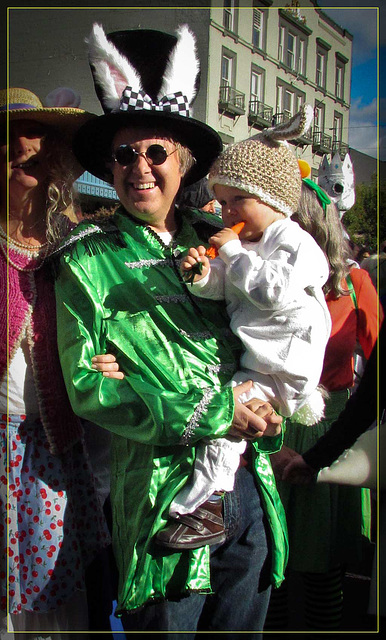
x: 222, y: 237
x: 195, y: 265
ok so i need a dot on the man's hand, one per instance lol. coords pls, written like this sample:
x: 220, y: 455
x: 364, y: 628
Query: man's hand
x: 195, y: 265
x: 280, y: 460
x: 265, y: 410
x: 246, y: 424
x: 108, y: 365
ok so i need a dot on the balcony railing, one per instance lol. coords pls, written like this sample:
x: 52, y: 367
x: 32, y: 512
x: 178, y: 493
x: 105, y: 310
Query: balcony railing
x: 231, y: 100
x: 339, y: 147
x: 281, y: 117
x: 260, y: 113
x: 321, y: 142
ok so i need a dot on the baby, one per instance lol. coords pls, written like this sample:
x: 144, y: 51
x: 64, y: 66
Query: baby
x: 271, y: 277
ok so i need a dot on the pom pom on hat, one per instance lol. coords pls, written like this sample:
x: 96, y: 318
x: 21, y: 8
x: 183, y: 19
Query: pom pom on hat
x: 305, y: 169
x: 62, y: 97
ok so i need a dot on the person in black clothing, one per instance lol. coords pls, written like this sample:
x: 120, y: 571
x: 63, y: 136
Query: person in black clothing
x: 366, y: 405
x: 359, y: 413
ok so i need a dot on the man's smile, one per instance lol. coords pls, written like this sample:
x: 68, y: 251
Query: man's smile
x: 142, y: 186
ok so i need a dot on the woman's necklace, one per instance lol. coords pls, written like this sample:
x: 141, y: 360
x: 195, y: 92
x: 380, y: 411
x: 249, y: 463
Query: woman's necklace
x: 21, y: 245
x: 24, y: 251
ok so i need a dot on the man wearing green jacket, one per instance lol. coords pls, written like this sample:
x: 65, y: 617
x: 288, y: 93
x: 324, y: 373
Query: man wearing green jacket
x: 119, y: 290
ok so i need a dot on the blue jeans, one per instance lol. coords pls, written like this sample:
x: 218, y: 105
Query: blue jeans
x: 239, y: 577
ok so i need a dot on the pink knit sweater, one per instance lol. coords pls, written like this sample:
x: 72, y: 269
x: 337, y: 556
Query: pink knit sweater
x: 30, y: 300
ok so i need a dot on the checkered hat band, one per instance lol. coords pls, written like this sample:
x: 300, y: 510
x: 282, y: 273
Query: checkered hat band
x: 140, y: 101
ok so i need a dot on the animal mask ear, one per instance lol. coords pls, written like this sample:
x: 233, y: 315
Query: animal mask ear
x: 337, y: 178
x: 112, y: 71
x: 348, y: 169
x: 183, y: 66
x: 62, y: 97
x: 297, y: 126
x: 323, y: 167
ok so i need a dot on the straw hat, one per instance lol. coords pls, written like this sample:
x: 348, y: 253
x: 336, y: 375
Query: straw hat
x: 60, y: 113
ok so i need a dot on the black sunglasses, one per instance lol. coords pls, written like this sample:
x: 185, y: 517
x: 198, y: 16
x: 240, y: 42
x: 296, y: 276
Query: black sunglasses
x: 155, y: 154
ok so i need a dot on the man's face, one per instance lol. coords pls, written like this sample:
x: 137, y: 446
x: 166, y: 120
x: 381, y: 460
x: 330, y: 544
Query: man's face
x: 147, y: 191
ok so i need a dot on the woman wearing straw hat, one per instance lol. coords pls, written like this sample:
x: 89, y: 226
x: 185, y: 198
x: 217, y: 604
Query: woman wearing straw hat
x: 119, y: 284
x: 51, y: 523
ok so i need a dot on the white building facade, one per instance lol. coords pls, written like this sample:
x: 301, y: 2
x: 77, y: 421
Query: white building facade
x: 259, y: 63
x: 265, y: 60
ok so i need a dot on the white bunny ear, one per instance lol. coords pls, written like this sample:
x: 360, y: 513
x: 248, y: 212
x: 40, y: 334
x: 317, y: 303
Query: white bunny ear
x: 183, y: 66
x: 297, y: 125
x: 62, y: 97
x: 112, y: 72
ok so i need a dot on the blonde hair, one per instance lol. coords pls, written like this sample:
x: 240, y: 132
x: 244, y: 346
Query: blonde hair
x: 185, y: 157
x: 327, y: 230
x: 60, y: 194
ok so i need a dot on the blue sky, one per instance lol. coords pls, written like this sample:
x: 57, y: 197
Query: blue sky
x: 362, y: 23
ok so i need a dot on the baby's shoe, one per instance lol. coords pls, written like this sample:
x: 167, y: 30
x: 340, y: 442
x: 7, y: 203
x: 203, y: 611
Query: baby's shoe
x: 193, y: 530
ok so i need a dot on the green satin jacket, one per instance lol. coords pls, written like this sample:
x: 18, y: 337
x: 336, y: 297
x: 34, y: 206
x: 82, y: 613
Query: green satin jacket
x: 119, y: 290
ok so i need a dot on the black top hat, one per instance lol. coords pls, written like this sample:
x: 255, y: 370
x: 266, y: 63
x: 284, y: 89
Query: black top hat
x: 145, y: 78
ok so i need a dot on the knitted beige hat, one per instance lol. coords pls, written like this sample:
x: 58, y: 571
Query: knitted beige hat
x: 264, y: 165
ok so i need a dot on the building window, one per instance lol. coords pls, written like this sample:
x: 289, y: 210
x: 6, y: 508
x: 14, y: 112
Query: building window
x: 230, y: 99
x: 301, y: 67
x: 321, y: 58
x: 258, y: 28
x: 337, y: 130
x: 257, y: 91
x: 322, y: 49
x: 288, y: 101
x: 227, y: 69
x: 285, y: 100
x: 280, y: 54
x: 257, y: 85
x: 259, y: 113
x: 229, y: 16
x: 299, y: 102
x: 319, y: 118
x: 339, y: 80
x: 292, y: 49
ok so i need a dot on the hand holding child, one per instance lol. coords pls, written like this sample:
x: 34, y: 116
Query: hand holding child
x: 107, y: 364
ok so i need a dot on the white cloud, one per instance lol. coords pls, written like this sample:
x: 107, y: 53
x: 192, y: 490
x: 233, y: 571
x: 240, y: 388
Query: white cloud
x: 363, y: 134
x: 360, y: 111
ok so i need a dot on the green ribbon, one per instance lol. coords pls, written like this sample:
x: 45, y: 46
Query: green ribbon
x: 195, y: 270
x: 320, y: 193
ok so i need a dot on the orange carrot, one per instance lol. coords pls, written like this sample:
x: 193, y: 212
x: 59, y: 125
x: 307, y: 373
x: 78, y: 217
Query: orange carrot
x: 212, y: 251
x: 238, y: 227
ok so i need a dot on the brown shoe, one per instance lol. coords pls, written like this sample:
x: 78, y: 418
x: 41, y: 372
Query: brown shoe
x: 193, y: 530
